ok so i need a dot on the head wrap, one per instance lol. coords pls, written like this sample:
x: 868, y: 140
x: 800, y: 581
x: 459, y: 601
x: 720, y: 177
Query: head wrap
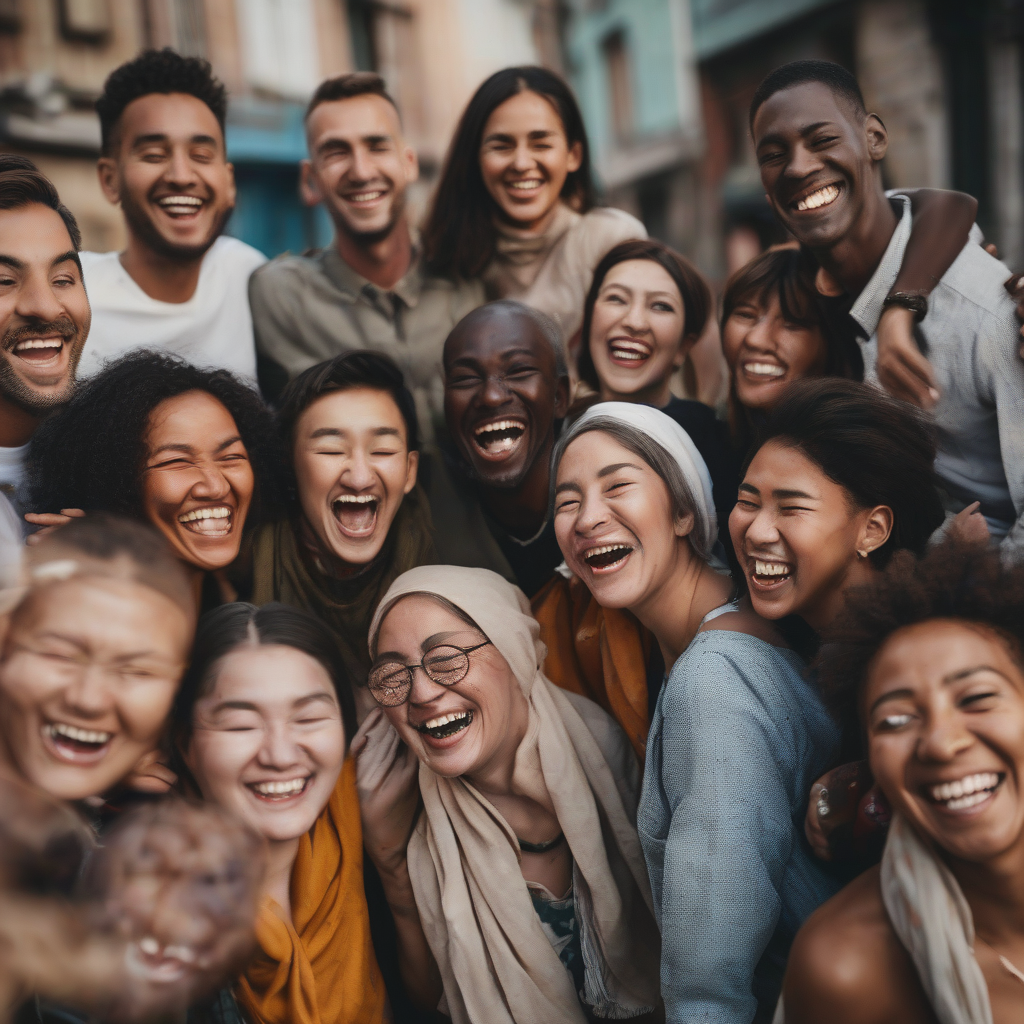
x: 464, y: 859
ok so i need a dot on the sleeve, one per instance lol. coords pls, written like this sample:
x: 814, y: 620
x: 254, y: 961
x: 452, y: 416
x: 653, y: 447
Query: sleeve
x: 1008, y: 386
x: 275, y: 332
x: 730, y: 835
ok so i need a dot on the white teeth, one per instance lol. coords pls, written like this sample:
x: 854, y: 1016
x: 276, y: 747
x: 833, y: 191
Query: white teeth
x: 525, y: 186
x: 149, y: 945
x: 593, y: 552
x: 72, y: 732
x: 279, y: 788
x: 38, y: 343
x: 764, y: 369
x: 355, y: 499
x: 770, y: 568
x: 169, y: 201
x: 365, y: 197
x: 222, y: 512
x: 965, y: 792
x: 436, y: 723
x: 822, y: 197
x: 500, y: 425
x: 634, y: 350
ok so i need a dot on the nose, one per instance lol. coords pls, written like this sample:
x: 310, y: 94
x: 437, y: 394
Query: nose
x: 279, y: 750
x: 212, y: 485
x: 358, y: 474
x: 591, y: 514
x: 361, y: 168
x: 180, y: 170
x: 759, y: 334
x: 943, y: 737
x: 89, y: 695
x: 762, y: 530
x: 37, y: 301
x: 803, y: 162
x: 495, y: 391
x: 424, y: 689
x: 636, y: 318
x: 523, y: 159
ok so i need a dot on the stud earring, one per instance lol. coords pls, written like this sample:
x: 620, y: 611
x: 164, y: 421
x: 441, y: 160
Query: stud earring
x: 862, y: 554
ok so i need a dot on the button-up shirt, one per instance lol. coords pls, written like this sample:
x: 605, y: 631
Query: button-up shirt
x: 970, y: 336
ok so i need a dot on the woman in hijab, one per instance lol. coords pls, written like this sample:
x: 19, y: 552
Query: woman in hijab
x: 525, y: 867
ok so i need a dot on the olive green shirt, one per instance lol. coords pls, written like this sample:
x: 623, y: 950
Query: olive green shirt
x: 313, y: 307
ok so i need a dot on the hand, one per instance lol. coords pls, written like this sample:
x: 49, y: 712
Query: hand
x: 49, y: 521
x: 812, y: 822
x: 387, y: 774
x: 902, y: 370
x: 151, y: 775
x: 968, y: 526
x: 1015, y: 286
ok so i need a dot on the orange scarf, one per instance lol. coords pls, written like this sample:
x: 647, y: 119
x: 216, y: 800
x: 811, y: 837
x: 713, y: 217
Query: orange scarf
x: 321, y: 969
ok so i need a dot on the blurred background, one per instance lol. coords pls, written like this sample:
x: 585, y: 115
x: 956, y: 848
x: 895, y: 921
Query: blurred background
x: 664, y: 86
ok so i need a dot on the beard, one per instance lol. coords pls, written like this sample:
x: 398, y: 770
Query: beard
x: 14, y: 388
x: 368, y: 238
x: 144, y: 228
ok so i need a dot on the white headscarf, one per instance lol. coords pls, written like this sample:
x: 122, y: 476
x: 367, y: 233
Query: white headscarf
x: 676, y: 442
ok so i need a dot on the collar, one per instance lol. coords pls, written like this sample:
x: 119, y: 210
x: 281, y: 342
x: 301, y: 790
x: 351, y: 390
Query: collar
x: 353, y: 285
x: 867, y: 309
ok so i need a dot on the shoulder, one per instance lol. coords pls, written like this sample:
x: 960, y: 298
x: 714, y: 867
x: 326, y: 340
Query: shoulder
x: 608, y: 224
x: 284, y: 275
x: 847, y: 964
x: 98, y: 265
x: 978, y: 277
x: 236, y: 254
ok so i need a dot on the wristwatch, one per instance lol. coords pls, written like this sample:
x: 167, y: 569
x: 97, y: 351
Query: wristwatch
x: 917, y: 304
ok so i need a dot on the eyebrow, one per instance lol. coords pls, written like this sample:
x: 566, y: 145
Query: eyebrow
x: 615, y: 467
x: 339, y: 432
x: 537, y: 134
x: 74, y: 642
x: 147, y: 140
x: 440, y: 638
x: 952, y: 677
x: 780, y: 492
x: 777, y: 139
x: 190, y: 449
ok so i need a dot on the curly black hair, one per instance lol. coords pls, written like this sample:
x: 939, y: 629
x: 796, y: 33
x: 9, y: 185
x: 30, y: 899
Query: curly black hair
x: 90, y: 454
x: 162, y: 71
x: 951, y: 582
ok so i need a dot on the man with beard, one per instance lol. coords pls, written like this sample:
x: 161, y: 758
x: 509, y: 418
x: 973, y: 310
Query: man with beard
x: 44, y: 311
x: 366, y: 290
x: 179, y: 285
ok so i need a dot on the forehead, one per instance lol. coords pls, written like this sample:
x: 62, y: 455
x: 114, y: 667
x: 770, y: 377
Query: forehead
x: 353, y: 410
x: 642, y: 275
x: 270, y: 675
x: 176, y: 115
x: 192, y: 415
x: 527, y: 111
x: 34, y: 234
x: 791, y: 111
x: 489, y: 337
x: 783, y: 466
x: 413, y: 618
x: 592, y: 451
x: 352, y: 118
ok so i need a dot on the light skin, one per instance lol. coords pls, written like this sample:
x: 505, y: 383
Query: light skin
x: 799, y: 539
x: 638, y: 333
x: 89, y: 669
x: 268, y: 746
x: 943, y: 709
x: 168, y: 171
x: 525, y: 158
x: 765, y: 353
x: 360, y: 167
x: 353, y: 467
x: 44, y: 318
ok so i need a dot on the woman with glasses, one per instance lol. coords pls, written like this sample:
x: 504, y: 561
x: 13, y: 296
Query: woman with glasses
x: 524, y: 865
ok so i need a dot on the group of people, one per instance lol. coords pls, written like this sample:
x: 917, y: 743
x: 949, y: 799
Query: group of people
x: 548, y: 694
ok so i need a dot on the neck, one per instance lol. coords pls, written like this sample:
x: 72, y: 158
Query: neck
x: 995, y: 893
x: 17, y: 425
x: 854, y: 258
x: 824, y: 609
x: 496, y: 779
x: 523, y: 509
x: 534, y: 227
x: 673, y: 612
x: 160, y: 277
x: 384, y: 261
x: 277, y: 882
x: 658, y: 395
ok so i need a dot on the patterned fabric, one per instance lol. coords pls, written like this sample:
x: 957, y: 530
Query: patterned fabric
x: 558, y: 919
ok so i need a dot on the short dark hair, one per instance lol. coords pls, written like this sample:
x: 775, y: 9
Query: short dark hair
x: 459, y: 238
x: 362, y: 369
x: 22, y: 183
x: 344, y: 87
x: 692, y: 287
x: 157, y: 71
x: 879, y: 450
x: 797, y: 72
x: 951, y: 582
x: 91, y: 453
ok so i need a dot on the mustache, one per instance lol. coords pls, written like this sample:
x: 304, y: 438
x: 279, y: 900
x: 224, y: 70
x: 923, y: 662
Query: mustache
x: 63, y: 325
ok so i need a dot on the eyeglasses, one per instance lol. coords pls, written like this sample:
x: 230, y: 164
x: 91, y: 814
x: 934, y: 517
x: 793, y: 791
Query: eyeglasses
x: 391, y: 681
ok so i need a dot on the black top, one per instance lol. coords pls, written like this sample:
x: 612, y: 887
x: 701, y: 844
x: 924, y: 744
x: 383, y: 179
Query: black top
x: 533, y: 561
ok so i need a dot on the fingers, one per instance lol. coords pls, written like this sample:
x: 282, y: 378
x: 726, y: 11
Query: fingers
x: 812, y: 822
x: 909, y: 377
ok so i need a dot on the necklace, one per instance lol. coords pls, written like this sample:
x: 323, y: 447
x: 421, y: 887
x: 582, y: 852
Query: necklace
x: 550, y: 845
x: 1007, y: 965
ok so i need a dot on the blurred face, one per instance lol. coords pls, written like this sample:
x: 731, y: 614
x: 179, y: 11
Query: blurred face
x: 797, y: 533
x: 359, y: 166
x: 615, y: 522
x: 464, y: 729
x: 353, y: 468
x: 502, y: 395
x: 636, y: 333
x: 198, y: 483
x: 169, y: 172
x: 525, y: 159
x: 44, y: 311
x: 89, y: 670
x: 944, y: 708
x: 268, y: 741
x: 765, y: 353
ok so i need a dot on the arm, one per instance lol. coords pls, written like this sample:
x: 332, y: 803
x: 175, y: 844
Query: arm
x: 942, y: 224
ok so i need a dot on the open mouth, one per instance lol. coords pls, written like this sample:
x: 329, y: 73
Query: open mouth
x: 768, y: 575
x: 525, y: 188
x: 763, y: 371
x: 365, y: 197
x: 356, y: 514
x: 180, y: 205
x: 39, y: 350
x: 628, y: 352
x: 214, y: 521
x: 444, y: 726
x: 159, y: 963
x: 275, y: 792
x: 967, y: 792
x: 499, y: 439
x: 74, y: 744
x: 824, y: 196
x: 607, y: 557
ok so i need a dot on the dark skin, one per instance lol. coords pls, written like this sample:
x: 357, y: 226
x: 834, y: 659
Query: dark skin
x: 499, y: 368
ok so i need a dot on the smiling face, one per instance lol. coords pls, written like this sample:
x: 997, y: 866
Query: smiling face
x: 44, y: 311
x: 944, y: 709
x: 525, y: 159
x: 463, y: 729
x: 502, y: 395
x: 89, y: 669
x: 268, y: 739
x: 797, y: 534
x: 765, y: 353
x: 359, y: 166
x: 637, y: 333
x: 170, y: 174
x: 616, y: 523
x: 817, y: 157
x: 198, y: 483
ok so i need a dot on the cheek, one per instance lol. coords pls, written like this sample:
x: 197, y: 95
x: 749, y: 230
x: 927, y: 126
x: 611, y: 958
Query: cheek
x: 161, y: 495
x: 888, y: 757
x: 732, y: 338
x: 217, y: 759
x: 144, y: 711
x: 242, y: 481
x: 803, y: 351
x: 328, y: 746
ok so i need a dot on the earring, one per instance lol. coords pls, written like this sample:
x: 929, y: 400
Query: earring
x: 862, y: 554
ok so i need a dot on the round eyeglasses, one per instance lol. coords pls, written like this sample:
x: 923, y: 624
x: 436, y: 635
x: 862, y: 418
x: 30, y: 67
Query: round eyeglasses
x: 391, y: 681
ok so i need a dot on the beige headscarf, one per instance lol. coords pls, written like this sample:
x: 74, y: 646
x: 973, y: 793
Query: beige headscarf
x: 464, y: 859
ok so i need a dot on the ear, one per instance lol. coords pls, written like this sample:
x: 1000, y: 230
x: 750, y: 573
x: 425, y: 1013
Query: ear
x: 575, y: 159
x: 826, y: 284
x: 412, y: 468
x: 562, y: 397
x: 877, y: 137
x: 875, y: 530
x: 412, y: 164
x: 683, y: 525
x: 689, y: 340
x: 106, y: 171
x: 232, y: 187
x: 309, y: 187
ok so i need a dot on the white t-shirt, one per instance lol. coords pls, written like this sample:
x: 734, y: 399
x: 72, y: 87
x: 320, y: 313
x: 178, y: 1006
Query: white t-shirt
x: 12, y: 475
x: 214, y: 328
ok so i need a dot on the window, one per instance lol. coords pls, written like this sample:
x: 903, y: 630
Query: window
x: 279, y: 45
x: 85, y: 19
x: 616, y: 60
